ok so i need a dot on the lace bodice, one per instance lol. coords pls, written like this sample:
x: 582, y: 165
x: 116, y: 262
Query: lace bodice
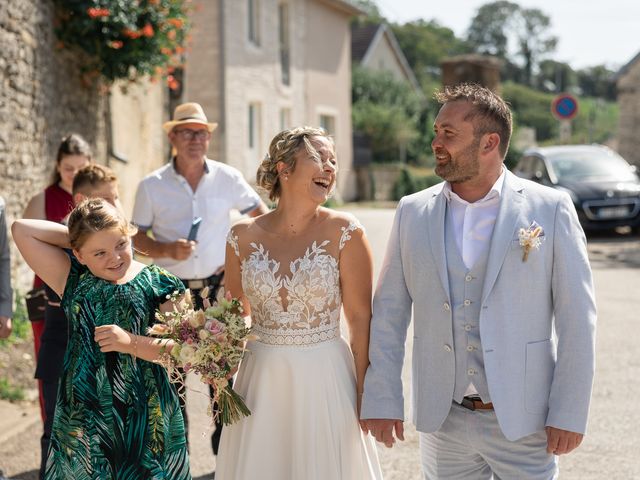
x: 301, y: 308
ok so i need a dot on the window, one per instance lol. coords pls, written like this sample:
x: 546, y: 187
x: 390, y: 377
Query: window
x: 253, y: 21
x: 254, y: 126
x: 283, y: 36
x: 328, y: 122
x: 285, y: 118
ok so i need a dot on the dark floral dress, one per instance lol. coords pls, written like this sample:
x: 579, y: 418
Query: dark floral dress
x: 117, y: 418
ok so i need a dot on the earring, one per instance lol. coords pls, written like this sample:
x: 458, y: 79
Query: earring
x: 286, y: 177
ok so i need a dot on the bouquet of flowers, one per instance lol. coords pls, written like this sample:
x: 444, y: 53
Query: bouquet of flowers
x: 209, y: 342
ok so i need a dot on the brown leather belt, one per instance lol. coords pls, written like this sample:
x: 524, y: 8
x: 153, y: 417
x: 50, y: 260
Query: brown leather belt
x: 474, y: 403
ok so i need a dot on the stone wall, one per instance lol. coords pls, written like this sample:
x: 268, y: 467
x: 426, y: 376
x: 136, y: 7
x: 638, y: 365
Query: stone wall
x: 41, y: 99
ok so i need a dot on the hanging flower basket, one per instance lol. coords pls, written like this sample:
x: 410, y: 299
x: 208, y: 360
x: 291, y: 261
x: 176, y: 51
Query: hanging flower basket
x: 125, y: 39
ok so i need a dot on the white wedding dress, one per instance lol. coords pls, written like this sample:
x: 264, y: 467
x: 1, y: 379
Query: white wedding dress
x: 298, y: 378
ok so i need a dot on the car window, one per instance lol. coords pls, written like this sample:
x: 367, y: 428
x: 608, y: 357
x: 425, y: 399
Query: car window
x: 590, y: 163
x: 524, y: 167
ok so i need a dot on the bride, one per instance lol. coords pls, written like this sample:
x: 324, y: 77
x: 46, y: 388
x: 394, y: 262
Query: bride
x: 294, y: 268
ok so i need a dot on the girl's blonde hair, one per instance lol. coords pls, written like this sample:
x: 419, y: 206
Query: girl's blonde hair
x: 93, y: 215
x: 284, y: 147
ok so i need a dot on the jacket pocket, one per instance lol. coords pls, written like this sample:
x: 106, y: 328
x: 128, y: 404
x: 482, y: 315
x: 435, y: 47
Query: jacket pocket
x: 539, y: 368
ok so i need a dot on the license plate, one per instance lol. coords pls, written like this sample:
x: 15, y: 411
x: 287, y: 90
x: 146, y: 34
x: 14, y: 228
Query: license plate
x: 613, y: 212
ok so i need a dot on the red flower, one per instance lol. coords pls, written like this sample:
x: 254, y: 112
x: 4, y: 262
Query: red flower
x: 147, y: 30
x: 166, y: 51
x: 176, y: 22
x: 98, y: 12
x: 116, y: 44
x: 133, y: 34
x: 171, y: 34
x: 172, y: 82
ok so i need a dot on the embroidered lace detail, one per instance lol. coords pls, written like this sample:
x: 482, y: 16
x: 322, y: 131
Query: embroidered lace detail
x: 310, y: 336
x: 233, y: 241
x: 346, y: 232
x: 300, y: 309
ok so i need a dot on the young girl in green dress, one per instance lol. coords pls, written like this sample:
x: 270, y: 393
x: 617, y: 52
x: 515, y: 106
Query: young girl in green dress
x: 117, y: 416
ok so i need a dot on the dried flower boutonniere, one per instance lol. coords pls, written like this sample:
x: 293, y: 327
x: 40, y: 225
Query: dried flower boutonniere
x: 530, y: 239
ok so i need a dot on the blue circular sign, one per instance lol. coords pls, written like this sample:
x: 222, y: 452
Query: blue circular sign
x: 564, y: 106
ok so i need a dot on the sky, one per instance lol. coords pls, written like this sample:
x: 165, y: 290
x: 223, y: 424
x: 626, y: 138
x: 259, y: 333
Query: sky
x: 590, y: 32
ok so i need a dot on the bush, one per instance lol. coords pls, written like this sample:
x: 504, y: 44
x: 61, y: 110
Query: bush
x: 409, y: 183
x: 20, y: 322
x: 391, y: 114
x: 124, y: 39
x: 10, y: 392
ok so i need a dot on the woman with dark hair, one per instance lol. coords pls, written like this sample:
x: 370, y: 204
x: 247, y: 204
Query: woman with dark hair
x: 54, y: 203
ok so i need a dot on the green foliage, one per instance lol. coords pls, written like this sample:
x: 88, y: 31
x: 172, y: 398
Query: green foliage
x: 488, y: 29
x: 370, y: 9
x: 389, y: 112
x: 597, y: 82
x: 9, y: 392
x: 409, y: 182
x: 532, y: 109
x: 496, y: 23
x: 555, y: 77
x: 20, y: 322
x: 426, y: 44
x: 124, y: 39
x: 596, y: 121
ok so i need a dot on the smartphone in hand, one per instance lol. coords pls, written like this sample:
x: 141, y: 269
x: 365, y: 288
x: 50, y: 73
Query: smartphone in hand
x: 193, y: 232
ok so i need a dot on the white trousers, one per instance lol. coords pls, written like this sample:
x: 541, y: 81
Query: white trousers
x: 470, y: 446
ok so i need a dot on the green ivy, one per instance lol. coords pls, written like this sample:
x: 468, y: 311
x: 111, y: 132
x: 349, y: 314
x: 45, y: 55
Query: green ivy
x: 124, y: 39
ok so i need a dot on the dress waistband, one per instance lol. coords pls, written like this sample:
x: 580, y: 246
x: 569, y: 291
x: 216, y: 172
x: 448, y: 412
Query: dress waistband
x: 296, y: 337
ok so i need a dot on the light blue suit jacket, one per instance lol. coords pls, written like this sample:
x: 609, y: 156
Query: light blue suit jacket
x: 537, y: 318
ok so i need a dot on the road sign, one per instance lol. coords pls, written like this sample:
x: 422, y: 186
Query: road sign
x: 564, y: 106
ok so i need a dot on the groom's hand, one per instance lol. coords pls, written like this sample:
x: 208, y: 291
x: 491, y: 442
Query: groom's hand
x: 382, y: 429
x: 561, y: 441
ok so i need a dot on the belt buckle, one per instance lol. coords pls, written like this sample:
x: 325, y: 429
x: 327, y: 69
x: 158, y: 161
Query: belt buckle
x: 196, y: 284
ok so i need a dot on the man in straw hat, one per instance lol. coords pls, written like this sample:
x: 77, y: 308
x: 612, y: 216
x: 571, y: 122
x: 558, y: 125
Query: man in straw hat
x: 170, y: 200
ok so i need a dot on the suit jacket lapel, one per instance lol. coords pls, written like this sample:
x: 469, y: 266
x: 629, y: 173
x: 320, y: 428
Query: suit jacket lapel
x: 434, y: 219
x: 504, y: 230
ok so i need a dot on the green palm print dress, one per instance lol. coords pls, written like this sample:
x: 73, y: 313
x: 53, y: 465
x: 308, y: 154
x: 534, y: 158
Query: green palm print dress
x: 116, y: 418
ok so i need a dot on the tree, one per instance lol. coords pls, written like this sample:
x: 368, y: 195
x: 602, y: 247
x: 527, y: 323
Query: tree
x: 371, y: 10
x: 389, y: 112
x: 597, y: 82
x: 533, y: 40
x: 426, y: 44
x: 555, y: 77
x: 487, y: 32
x: 498, y: 24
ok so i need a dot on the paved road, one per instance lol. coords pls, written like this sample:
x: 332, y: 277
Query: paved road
x: 609, y: 451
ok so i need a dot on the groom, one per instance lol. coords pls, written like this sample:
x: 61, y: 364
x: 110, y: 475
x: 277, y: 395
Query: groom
x: 494, y: 269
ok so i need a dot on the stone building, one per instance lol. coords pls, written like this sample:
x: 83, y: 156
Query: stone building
x: 628, y: 86
x: 260, y: 66
x: 44, y: 98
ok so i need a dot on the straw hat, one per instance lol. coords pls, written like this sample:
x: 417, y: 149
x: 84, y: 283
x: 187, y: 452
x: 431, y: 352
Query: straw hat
x: 188, y: 113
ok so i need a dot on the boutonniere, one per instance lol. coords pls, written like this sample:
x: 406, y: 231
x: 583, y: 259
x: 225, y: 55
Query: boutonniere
x: 530, y: 239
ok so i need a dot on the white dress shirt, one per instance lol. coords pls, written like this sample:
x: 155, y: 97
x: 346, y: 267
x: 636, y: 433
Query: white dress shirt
x: 166, y: 205
x: 473, y: 222
x: 472, y: 227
